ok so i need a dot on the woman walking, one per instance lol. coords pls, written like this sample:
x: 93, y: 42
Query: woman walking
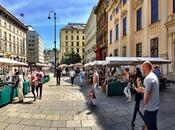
x: 33, y: 86
x: 127, y: 90
x: 138, y: 96
x: 19, y: 83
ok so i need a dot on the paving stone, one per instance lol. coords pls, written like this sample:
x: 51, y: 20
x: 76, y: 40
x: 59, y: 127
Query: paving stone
x: 73, y: 123
x: 38, y: 116
x: 88, y: 123
x: 52, y: 117
x: 58, y: 124
x: 83, y: 128
x: 44, y: 128
x: 25, y: 115
x: 66, y: 117
x: 66, y: 129
x: 28, y: 122
x: 3, y: 118
x: 3, y: 125
x: 13, y: 120
x: 31, y: 128
x: 43, y: 123
x: 14, y: 127
x: 13, y: 114
x: 80, y: 117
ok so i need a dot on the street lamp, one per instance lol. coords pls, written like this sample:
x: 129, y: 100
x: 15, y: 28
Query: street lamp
x: 49, y: 17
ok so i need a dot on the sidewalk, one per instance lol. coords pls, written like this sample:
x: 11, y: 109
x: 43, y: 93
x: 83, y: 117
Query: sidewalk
x: 65, y: 108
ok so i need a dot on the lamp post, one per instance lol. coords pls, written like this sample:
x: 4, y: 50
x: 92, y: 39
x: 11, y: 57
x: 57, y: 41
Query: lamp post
x: 49, y: 17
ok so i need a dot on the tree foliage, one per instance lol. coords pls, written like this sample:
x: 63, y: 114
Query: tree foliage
x: 71, y: 58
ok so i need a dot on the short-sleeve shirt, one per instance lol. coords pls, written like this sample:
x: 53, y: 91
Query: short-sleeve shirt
x: 151, y: 83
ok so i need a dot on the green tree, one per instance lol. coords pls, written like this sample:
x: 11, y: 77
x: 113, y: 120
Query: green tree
x: 71, y: 58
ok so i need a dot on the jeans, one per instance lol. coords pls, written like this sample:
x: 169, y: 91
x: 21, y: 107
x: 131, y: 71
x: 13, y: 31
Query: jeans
x: 150, y: 118
x: 137, y: 109
x: 58, y: 80
x: 40, y: 86
x: 127, y: 90
x: 33, y: 92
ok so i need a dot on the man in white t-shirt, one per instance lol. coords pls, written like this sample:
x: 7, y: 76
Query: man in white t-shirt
x: 72, y: 75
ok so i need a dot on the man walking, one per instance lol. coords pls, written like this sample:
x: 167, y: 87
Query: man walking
x: 72, y: 76
x: 151, y: 96
x: 58, y: 75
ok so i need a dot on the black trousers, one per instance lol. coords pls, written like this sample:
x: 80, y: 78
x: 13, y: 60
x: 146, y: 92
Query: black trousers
x: 33, y: 92
x: 72, y: 80
x: 150, y: 118
x: 40, y: 86
x: 137, y: 109
x: 58, y: 80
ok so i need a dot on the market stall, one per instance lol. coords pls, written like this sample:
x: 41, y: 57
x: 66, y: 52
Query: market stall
x: 8, y: 90
x: 114, y: 84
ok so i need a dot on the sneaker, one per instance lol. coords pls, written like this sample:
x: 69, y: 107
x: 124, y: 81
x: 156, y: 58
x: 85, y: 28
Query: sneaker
x: 128, y: 101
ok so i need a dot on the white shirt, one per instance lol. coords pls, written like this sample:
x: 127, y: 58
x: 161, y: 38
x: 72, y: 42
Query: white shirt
x: 72, y: 73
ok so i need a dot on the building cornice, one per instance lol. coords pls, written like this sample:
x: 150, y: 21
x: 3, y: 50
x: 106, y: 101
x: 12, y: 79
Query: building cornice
x: 6, y: 14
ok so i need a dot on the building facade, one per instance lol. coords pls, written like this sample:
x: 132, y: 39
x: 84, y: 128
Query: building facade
x: 72, y: 39
x: 12, y: 36
x: 102, y: 30
x: 49, y: 56
x: 90, y: 37
x: 35, y: 47
x: 142, y: 28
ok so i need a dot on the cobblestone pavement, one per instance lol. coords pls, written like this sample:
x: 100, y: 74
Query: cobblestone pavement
x: 65, y: 108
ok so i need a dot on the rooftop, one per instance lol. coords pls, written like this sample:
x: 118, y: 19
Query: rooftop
x: 77, y: 26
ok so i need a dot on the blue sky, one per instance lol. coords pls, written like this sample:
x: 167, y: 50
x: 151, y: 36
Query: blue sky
x: 36, y: 13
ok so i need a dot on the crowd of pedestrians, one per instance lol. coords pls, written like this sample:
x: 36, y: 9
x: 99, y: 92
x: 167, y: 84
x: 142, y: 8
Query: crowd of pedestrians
x: 145, y: 84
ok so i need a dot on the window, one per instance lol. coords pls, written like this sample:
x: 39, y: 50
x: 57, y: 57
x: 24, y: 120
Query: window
x: 116, y: 52
x: 72, y: 31
x: 77, y: 43
x: 139, y: 19
x: 72, y: 43
x: 66, y: 37
x: 14, y: 48
x: 1, y: 48
x: 66, y: 31
x: 110, y: 18
x: 77, y: 37
x: 5, y: 46
x: 17, y: 31
x: 14, y: 30
x: 0, y: 22
x: 83, y: 50
x: 139, y: 50
x: 13, y: 39
x: 77, y: 50
x: 10, y: 47
x: 110, y: 37
x: 72, y: 37
x: 124, y: 2
x: 10, y: 27
x: 0, y: 33
x: 83, y: 43
x: 154, y: 11
x: 154, y: 47
x: 66, y: 43
x: 5, y: 35
x: 83, y: 37
x: 77, y: 31
x: 124, y: 26
x: 5, y: 24
x: 116, y: 10
x: 117, y: 34
x: 173, y: 6
x: 124, y: 51
x: 10, y: 37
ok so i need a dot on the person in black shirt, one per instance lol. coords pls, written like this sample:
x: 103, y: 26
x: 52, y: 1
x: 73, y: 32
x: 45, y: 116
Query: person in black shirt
x: 58, y: 75
x: 138, y: 96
